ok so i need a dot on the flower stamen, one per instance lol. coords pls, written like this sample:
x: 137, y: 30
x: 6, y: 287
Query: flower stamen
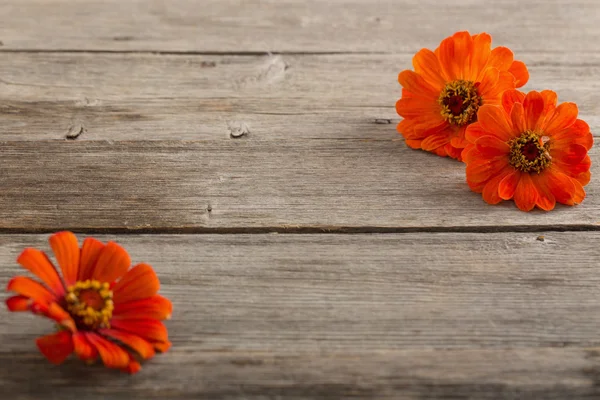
x: 91, y: 303
x: 529, y: 152
x: 460, y: 101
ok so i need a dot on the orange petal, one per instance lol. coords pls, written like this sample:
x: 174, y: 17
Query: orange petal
x: 490, y: 191
x: 162, y: 346
x: 579, y: 193
x: 29, y: 288
x: 501, y: 58
x: 517, y: 116
x: 508, y: 185
x: 133, y: 367
x: 495, y: 122
x: 463, y: 47
x: 492, y: 92
x: 482, y: 44
x: 491, y: 146
x: 136, y: 343
x: 445, y: 53
x: 84, y: 348
x: 526, y: 194
x: 510, y: 97
x: 432, y: 142
x: 66, y: 250
x: 112, y: 263
x: 55, y: 312
x: 90, y: 251
x: 550, y: 100
x: 564, y: 116
x: 149, y: 329
x: 56, y: 347
x: 155, y: 307
x: 18, y: 303
x: 139, y: 282
x: 37, y: 262
x: 112, y: 355
x: 417, y: 108
x: 534, y: 106
x: 427, y: 65
x: 417, y: 85
x: 560, y: 185
x: 573, y: 154
x: 546, y: 200
x: 519, y: 71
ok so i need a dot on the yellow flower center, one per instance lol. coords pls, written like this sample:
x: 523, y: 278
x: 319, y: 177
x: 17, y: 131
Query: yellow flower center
x: 529, y: 152
x: 90, y: 302
x: 460, y: 101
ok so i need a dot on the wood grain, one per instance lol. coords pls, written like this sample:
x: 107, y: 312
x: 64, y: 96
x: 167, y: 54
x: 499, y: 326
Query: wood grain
x: 293, y: 25
x: 237, y: 185
x: 500, y: 315
x: 549, y: 374
x: 150, y: 97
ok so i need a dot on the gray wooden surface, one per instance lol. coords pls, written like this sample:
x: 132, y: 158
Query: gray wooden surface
x: 247, y: 150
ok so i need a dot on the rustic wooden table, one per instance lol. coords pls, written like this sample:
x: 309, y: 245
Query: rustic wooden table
x: 248, y: 151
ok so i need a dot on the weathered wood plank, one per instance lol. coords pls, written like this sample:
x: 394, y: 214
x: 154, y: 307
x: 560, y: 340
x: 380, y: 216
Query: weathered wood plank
x: 549, y: 374
x: 293, y: 25
x: 141, y: 96
x: 416, y: 316
x: 237, y: 185
x: 358, y: 292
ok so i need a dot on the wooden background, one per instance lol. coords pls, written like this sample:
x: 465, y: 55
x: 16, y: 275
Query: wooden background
x: 247, y: 150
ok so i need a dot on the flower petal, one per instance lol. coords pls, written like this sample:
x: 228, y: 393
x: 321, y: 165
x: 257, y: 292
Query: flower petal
x: 417, y: 85
x: 495, y: 122
x: 155, y: 307
x: 136, y: 343
x: 520, y: 72
x: 508, y: 186
x: 90, y: 251
x: 546, y: 200
x: 573, y: 154
x: 56, y: 313
x: 56, y: 347
x: 427, y: 65
x: 149, y: 329
x: 564, y: 116
x: 482, y: 44
x: 112, y: 355
x: 112, y: 263
x: 517, y: 116
x: 510, y: 97
x: 67, y: 253
x: 526, y: 194
x: 162, y: 346
x: 432, y: 142
x: 491, y: 146
x: 84, y: 348
x: 38, y: 263
x: 534, y: 107
x: 501, y: 58
x: 29, y: 288
x: 133, y: 367
x: 18, y: 303
x: 560, y: 185
x: 138, y: 283
x: 492, y: 93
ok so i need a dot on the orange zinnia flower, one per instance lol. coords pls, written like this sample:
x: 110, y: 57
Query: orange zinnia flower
x: 441, y: 97
x: 102, y: 308
x: 530, y: 150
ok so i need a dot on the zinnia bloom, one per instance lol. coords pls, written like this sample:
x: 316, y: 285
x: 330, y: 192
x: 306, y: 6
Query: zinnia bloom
x: 529, y: 150
x: 102, y: 307
x: 441, y: 97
